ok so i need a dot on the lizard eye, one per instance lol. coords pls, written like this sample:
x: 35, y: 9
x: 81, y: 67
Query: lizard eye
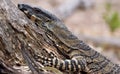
x: 48, y: 20
x: 36, y: 10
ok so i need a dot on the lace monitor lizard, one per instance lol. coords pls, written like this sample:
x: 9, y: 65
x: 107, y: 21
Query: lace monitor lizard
x: 81, y: 56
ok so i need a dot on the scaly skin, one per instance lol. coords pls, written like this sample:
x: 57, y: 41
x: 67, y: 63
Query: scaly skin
x: 80, y: 57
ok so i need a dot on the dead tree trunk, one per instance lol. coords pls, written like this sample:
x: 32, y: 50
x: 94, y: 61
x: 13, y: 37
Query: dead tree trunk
x: 14, y: 29
x: 18, y: 33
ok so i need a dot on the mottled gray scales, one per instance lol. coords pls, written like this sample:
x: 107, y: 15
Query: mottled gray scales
x: 81, y: 56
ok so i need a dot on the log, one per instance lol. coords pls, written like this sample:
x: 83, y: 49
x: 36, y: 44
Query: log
x: 18, y: 33
x: 20, y: 39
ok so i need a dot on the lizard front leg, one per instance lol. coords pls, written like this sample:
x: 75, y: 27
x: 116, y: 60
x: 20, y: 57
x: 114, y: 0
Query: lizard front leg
x: 67, y: 65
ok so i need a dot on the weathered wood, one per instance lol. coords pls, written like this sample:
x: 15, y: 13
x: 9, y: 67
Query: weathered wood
x: 16, y: 29
x: 17, y: 34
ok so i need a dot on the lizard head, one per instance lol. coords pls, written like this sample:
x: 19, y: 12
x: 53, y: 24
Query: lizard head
x: 48, y: 21
x: 34, y: 13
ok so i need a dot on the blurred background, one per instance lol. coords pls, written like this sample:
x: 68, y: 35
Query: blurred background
x: 97, y: 22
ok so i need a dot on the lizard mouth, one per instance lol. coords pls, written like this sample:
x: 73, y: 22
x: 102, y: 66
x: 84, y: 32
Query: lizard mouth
x: 28, y: 10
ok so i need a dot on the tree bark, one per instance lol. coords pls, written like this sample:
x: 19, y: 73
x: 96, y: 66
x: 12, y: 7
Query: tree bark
x: 16, y: 29
x: 19, y: 34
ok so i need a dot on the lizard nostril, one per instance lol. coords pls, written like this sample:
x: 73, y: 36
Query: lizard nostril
x: 20, y: 6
